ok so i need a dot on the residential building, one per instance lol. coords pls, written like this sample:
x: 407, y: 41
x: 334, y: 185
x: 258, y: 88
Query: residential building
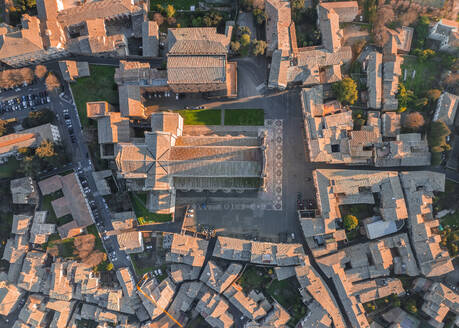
x: 308, y: 65
x: 438, y: 301
x: 10, y: 143
x: 129, y: 240
x: 33, y: 313
x: 254, y: 305
x: 73, y: 202
x: 161, y: 294
x: 317, y: 295
x: 214, y: 309
x: 24, y: 191
x: 186, y: 249
x: 446, y: 32
x: 391, y: 124
x: 276, y: 317
x: 335, y: 188
x: 21, y: 224
x: 40, y: 230
x: 391, y: 74
x: 150, y: 39
x: 219, y: 279
x: 72, y: 70
x: 256, y: 252
x: 33, y: 271
x: 10, y: 295
x: 374, y: 68
x: 419, y: 188
x: 446, y: 108
x: 182, y: 272
x: 397, y: 316
x: 62, y: 312
x: 316, y: 317
x: 197, y: 61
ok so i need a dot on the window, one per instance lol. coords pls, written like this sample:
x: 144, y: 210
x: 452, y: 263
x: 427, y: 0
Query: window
x: 335, y: 148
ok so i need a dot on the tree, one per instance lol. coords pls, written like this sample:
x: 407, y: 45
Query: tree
x: 170, y: 11
x: 212, y: 19
x: 27, y: 75
x: 437, y: 136
x: 350, y: 222
x: 259, y: 47
x: 46, y: 149
x: 158, y: 18
x: 421, y: 31
x: 346, y: 90
x: 244, y: 30
x: 3, y: 126
x: 235, y: 46
x: 297, y: 4
x: 37, y: 118
x: 410, y: 306
x: 433, y: 94
x: 52, y: 82
x: 421, y: 102
x: 109, y: 266
x: 245, y: 40
x: 394, y: 300
x: 29, y: 166
x: 403, y: 96
x: 260, y: 15
x: 414, y: 121
x: 40, y: 71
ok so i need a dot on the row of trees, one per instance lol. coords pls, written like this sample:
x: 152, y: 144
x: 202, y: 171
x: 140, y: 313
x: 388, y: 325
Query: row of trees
x: 15, y: 77
x: 243, y: 44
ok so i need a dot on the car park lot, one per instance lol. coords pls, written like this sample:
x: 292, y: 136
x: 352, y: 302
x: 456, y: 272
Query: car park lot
x: 31, y: 101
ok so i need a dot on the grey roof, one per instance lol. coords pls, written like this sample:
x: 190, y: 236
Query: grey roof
x: 150, y: 39
x: 446, y: 108
x: 374, y: 79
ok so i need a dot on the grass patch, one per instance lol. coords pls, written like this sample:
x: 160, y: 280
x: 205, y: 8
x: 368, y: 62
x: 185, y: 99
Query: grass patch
x: 92, y: 229
x: 244, y: 117
x: 10, y: 168
x: 178, y: 4
x: 201, y: 116
x: 427, y: 75
x: 99, y: 86
x: 46, y: 206
x: 144, y: 216
x: 138, y: 268
x: 65, y: 246
x: 450, y: 219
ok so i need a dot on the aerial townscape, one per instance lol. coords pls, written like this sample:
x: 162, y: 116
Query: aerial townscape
x: 229, y: 163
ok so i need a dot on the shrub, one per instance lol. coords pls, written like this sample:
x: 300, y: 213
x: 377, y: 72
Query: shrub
x: 350, y: 222
x: 235, y: 46
x: 259, y: 47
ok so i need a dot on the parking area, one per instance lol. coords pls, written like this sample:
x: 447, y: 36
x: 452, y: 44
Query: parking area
x: 24, y: 102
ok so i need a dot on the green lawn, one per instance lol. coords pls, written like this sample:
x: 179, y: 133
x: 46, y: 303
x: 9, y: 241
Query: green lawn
x: 99, y: 86
x: 178, y: 4
x: 46, y: 206
x: 427, y: 75
x: 450, y: 219
x: 201, y: 116
x: 144, y: 216
x: 10, y: 168
x: 92, y: 229
x: 140, y: 270
x: 244, y: 117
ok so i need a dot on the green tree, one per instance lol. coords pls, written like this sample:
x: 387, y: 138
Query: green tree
x: 245, y: 40
x: 403, y: 96
x: 259, y: 47
x: 350, y: 222
x: 29, y: 166
x: 433, y: 94
x: 244, y: 30
x: 3, y: 127
x: 235, y: 46
x: 394, y: 300
x: 109, y: 266
x: 414, y: 121
x: 410, y: 306
x: 260, y: 15
x: 421, y: 102
x: 437, y: 136
x: 170, y: 11
x: 297, y: 4
x: 346, y: 90
x: 421, y: 31
x: 46, y: 149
